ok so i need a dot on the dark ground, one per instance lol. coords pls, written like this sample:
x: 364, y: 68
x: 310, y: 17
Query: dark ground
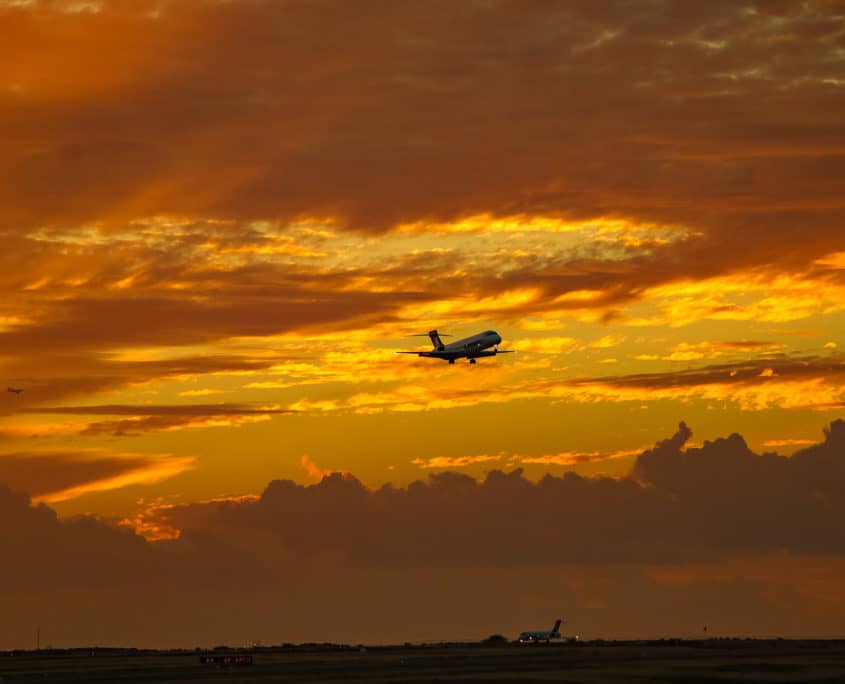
x: 720, y: 660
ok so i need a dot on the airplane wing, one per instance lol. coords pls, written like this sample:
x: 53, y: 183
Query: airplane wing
x: 506, y: 351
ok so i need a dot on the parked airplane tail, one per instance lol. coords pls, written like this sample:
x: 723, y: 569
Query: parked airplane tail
x: 557, y: 625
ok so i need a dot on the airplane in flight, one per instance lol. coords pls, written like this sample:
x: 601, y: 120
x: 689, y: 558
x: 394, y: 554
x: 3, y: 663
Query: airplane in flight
x: 483, y: 344
x: 540, y: 635
x: 16, y: 390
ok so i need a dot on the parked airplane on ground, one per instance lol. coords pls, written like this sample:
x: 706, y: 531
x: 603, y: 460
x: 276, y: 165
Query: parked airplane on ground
x: 535, y: 637
x: 16, y: 390
x: 470, y: 347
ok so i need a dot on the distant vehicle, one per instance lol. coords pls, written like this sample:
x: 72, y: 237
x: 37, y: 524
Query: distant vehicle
x: 483, y: 344
x: 228, y: 659
x: 541, y: 635
x: 16, y: 390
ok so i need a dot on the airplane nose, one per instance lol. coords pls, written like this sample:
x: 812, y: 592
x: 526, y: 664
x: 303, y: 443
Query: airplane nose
x: 498, y: 339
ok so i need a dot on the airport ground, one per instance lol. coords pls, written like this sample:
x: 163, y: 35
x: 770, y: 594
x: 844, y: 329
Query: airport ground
x: 720, y: 660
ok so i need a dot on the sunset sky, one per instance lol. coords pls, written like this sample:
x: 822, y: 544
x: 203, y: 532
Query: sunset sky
x: 220, y: 218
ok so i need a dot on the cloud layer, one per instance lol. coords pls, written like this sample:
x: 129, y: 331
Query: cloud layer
x: 686, y: 517
x: 679, y: 504
x: 272, y: 118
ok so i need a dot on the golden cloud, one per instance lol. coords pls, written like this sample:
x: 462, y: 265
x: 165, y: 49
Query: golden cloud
x: 455, y: 461
x: 546, y: 345
x: 570, y: 458
x: 810, y: 382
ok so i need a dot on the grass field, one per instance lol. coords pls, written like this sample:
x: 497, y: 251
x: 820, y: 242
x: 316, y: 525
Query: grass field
x: 653, y: 661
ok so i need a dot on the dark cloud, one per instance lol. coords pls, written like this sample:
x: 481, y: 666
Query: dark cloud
x: 717, y: 498
x: 135, y: 427
x: 150, y: 418
x: 178, y: 321
x: 701, y: 531
x: 49, y: 553
x: 732, y: 498
x: 146, y: 410
x: 740, y: 374
x: 56, y: 375
x: 40, y: 472
x: 724, y: 116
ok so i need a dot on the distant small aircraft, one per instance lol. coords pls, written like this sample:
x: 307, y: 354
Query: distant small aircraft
x: 16, y: 390
x: 541, y: 635
x: 470, y: 348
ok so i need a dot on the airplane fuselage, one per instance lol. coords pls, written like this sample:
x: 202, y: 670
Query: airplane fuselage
x: 472, y: 347
x: 541, y: 635
x: 525, y: 637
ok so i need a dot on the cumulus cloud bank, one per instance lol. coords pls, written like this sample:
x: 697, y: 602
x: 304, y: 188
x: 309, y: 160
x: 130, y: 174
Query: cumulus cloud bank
x: 685, y: 521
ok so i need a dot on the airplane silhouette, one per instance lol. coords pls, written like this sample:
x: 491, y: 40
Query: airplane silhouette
x: 471, y: 348
x: 536, y: 636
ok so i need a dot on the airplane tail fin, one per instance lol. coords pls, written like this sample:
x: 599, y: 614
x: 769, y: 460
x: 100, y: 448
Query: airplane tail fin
x: 435, y: 339
x: 557, y: 625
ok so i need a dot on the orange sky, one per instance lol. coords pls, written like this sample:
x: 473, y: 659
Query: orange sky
x: 219, y: 220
